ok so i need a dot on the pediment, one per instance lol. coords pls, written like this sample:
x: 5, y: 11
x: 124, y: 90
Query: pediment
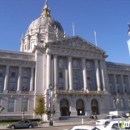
x: 77, y: 43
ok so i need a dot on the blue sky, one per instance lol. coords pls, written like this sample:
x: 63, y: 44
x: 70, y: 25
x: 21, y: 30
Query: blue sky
x: 108, y: 18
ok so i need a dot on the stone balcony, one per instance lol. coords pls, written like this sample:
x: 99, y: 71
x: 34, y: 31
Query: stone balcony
x: 79, y: 92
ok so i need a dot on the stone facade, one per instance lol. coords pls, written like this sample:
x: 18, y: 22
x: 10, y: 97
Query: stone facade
x: 83, y: 82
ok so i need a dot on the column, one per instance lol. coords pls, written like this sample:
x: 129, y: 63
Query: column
x: 102, y: 75
x: 84, y: 74
x: 70, y: 73
x: 128, y: 84
x: 122, y: 84
x: 31, y: 79
x: 48, y: 77
x: 6, y: 77
x: 97, y: 75
x: 115, y: 83
x: 19, y: 79
x: 55, y: 72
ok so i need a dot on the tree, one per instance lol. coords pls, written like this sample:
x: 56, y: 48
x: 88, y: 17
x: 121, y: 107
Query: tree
x: 40, y: 108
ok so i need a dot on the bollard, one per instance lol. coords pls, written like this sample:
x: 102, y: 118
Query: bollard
x: 82, y: 121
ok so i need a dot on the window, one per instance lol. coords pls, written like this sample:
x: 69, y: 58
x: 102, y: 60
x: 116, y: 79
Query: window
x: 12, y: 74
x: 117, y: 79
x: 60, y: 75
x: 24, y: 88
x: 1, y: 86
x: 1, y: 72
x: 12, y: 86
x: 124, y: 79
x: 74, y: 75
x: 60, y: 86
x: 25, y: 74
x: 109, y: 78
x: 88, y: 86
x: 11, y: 105
x: 88, y: 76
x: 24, y: 105
x: 75, y: 86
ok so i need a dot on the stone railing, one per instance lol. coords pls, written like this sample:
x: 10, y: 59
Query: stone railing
x: 24, y: 92
x: 11, y: 91
x: 79, y: 92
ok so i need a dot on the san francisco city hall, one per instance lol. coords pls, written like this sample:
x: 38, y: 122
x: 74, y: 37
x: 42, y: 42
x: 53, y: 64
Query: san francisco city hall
x: 70, y: 64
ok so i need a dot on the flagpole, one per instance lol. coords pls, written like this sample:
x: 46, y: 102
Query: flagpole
x: 73, y: 29
x: 95, y: 38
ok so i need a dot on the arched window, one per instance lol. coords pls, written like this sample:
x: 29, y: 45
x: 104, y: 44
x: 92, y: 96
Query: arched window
x: 80, y: 107
x: 64, y: 107
x: 94, y: 107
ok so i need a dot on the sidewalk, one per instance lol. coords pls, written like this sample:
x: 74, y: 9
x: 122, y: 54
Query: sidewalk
x: 60, y: 123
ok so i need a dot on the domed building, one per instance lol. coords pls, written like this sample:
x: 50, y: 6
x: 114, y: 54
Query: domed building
x: 73, y: 69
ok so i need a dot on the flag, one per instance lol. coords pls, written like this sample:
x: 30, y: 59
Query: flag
x: 86, y: 90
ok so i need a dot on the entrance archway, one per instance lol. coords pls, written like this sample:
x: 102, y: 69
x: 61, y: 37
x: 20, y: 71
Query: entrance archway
x: 94, y: 107
x: 64, y: 107
x: 80, y: 107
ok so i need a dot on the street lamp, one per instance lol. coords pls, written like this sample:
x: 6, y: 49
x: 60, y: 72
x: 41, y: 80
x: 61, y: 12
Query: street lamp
x: 50, y: 98
x: 23, y: 112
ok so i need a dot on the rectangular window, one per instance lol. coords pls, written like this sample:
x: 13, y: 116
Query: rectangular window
x: 75, y: 86
x: 60, y: 86
x: 24, y: 88
x: 11, y: 105
x: 89, y: 87
x: 12, y: 87
x: 12, y: 74
x: 1, y: 72
x: 24, y: 105
x: 1, y: 86
x: 88, y: 76
x: 117, y: 79
x: 60, y: 75
x: 74, y: 75
x: 25, y: 74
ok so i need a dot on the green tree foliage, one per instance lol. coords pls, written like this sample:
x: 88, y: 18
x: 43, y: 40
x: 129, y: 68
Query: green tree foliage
x: 40, y: 108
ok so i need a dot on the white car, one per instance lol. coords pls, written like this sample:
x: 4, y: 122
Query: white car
x: 82, y: 127
x: 108, y: 118
x: 114, y: 125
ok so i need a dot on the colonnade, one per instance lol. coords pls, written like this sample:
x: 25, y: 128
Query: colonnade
x: 19, y: 87
x: 100, y: 72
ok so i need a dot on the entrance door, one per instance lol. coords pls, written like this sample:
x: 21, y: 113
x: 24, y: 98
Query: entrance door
x: 94, y: 107
x: 80, y: 107
x: 64, y: 107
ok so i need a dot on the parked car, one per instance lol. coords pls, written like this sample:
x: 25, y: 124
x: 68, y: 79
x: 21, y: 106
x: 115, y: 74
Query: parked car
x: 22, y: 124
x: 108, y: 118
x: 82, y: 127
x: 114, y: 125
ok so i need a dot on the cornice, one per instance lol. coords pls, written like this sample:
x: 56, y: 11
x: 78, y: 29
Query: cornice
x: 74, y: 53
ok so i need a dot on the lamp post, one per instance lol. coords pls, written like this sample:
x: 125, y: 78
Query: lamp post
x: 23, y: 112
x: 50, y: 98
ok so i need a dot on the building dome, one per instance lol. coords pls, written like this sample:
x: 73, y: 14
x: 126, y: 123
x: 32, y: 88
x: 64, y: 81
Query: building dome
x: 44, y: 20
x: 41, y: 31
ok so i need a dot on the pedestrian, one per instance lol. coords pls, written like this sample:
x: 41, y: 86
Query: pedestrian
x: 95, y: 117
x: 92, y: 118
